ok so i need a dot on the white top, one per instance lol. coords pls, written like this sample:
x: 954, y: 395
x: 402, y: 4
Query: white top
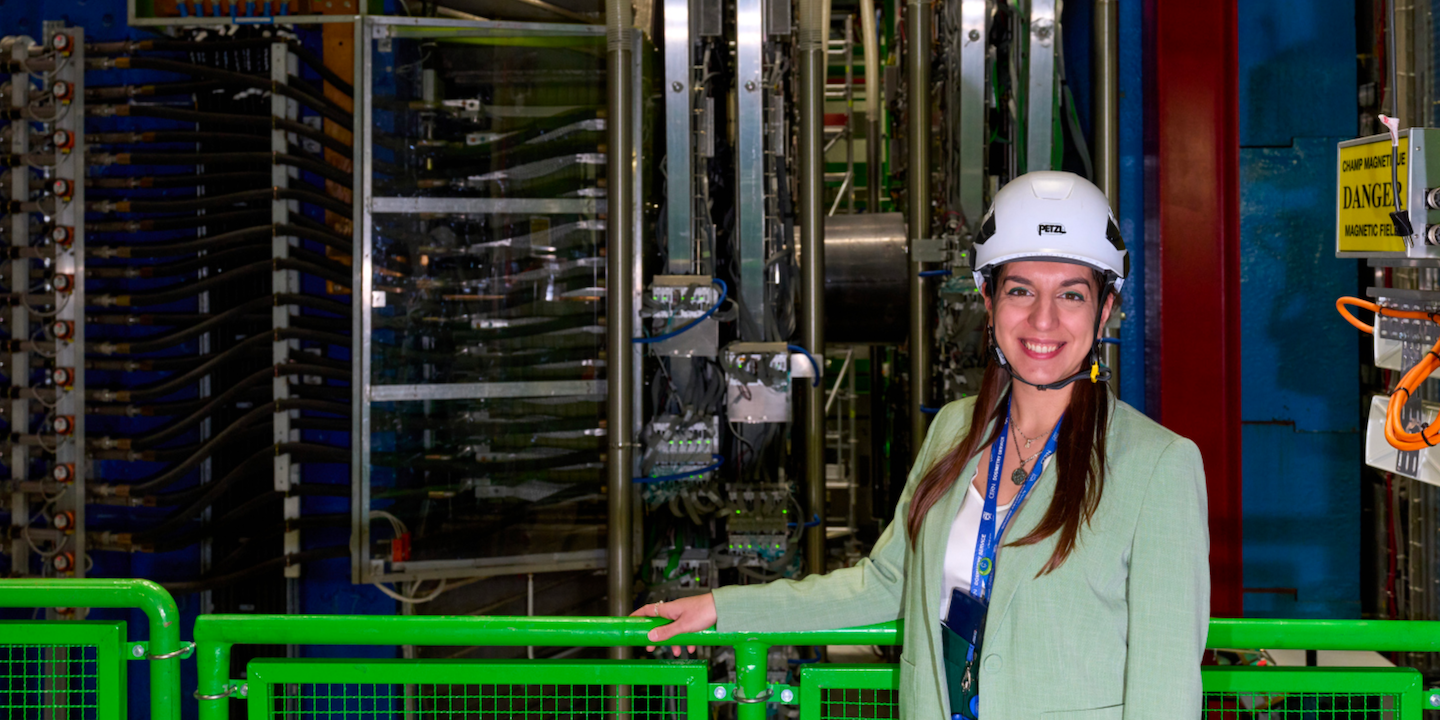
x: 960, y: 548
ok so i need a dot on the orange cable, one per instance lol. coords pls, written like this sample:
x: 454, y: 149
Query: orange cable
x: 1395, y: 432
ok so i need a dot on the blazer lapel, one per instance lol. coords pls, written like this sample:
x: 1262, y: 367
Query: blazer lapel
x: 931, y: 560
x: 1015, y: 566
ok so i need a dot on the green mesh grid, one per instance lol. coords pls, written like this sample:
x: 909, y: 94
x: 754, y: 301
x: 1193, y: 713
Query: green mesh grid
x: 1302, y: 706
x: 853, y: 703
x: 485, y: 702
x: 49, y: 681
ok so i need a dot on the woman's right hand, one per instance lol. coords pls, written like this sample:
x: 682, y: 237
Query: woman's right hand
x: 686, y: 615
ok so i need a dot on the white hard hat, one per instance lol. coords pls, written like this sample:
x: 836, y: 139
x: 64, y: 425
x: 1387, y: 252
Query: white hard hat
x: 1055, y: 216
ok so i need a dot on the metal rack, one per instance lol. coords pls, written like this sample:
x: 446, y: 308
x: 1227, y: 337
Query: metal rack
x: 378, y: 38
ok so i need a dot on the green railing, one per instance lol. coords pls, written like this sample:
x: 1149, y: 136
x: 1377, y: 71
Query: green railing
x: 680, y: 690
x: 77, y: 669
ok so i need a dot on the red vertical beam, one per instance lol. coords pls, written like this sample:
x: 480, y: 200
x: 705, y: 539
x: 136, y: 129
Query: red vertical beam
x: 1196, y: 212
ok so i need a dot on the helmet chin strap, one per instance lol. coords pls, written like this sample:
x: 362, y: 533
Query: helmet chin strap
x: 1095, y: 374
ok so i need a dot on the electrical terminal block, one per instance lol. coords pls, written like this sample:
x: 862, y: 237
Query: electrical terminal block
x: 757, y: 378
x: 690, y: 572
x: 678, y: 443
x: 674, y: 301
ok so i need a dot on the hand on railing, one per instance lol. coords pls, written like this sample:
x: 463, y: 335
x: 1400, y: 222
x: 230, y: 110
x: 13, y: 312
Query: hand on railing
x: 687, y: 615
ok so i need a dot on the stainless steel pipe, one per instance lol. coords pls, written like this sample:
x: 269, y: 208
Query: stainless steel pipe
x: 918, y: 21
x: 1105, y: 114
x: 812, y: 35
x: 619, y: 301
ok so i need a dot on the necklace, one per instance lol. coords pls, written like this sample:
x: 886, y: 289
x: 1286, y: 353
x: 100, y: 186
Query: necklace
x: 1028, y: 439
x: 1020, y: 475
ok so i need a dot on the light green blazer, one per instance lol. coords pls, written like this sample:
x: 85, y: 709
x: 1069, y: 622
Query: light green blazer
x: 1116, y: 632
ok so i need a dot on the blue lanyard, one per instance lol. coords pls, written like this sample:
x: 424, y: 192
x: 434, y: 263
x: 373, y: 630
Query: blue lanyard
x: 988, y: 539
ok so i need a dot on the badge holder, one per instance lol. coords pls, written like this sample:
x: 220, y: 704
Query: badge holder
x: 962, y: 633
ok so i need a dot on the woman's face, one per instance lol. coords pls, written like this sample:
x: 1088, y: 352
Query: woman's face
x: 1044, y: 314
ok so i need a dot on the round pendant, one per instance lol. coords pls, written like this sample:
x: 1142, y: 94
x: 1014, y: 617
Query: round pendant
x: 1018, y: 477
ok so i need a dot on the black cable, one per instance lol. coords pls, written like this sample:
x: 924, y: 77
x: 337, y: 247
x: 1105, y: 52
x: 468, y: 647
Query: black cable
x: 265, y: 412
x: 220, y: 581
x: 298, y: 452
x: 121, y: 92
x: 249, y: 234
x: 318, y: 104
x: 256, y: 121
x: 243, y: 218
x: 207, y: 202
x: 175, y: 338
x: 170, y: 137
x: 315, y: 226
x: 178, y: 267
x: 301, y: 52
x: 253, y: 436
x: 192, y: 288
x: 233, y: 518
x: 178, y: 181
x: 192, y: 421
x: 325, y: 170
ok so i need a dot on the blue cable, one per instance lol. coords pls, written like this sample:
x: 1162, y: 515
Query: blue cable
x: 718, y: 461
x: 724, y: 291
x: 810, y: 524
x: 929, y: 410
x: 814, y: 365
x: 935, y: 273
x: 1110, y: 341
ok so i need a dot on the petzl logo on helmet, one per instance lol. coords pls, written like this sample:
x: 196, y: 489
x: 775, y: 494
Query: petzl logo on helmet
x: 1052, y: 229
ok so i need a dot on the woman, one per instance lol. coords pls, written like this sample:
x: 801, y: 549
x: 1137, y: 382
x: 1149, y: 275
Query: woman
x: 1095, y: 603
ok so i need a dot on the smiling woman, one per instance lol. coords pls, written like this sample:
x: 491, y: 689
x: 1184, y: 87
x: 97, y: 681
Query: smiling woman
x: 1099, y: 608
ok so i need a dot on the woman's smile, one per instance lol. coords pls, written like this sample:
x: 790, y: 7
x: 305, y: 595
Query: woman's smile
x: 1041, y: 349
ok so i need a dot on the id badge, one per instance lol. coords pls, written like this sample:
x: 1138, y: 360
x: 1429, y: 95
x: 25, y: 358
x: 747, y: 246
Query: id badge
x: 963, y: 632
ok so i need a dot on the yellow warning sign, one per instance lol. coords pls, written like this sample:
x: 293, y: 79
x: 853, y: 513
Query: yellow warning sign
x: 1365, y: 197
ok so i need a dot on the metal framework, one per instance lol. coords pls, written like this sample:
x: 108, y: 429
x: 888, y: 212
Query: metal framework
x: 80, y: 666
x: 673, y: 689
x: 369, y: 32
x: 1195, y: 322
x: 91, y: 654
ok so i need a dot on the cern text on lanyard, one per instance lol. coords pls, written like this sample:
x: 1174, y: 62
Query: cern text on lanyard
x: 982, y: 574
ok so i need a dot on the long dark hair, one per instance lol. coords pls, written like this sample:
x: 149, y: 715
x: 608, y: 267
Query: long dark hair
x: 1080, y: 455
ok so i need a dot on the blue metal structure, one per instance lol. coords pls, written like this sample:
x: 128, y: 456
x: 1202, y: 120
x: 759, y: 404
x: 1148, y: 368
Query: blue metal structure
x: 1301, y: 395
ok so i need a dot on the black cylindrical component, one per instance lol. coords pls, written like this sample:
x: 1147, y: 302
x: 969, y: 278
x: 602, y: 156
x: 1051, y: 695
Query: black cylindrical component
x: 866, y: 278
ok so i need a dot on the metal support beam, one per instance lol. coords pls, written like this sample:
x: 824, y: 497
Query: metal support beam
x: 1105, y: 119
x: 1196, y: 272
x: 620, y: 282
x: 750, y: 157
x: 1040, y: 96
x: 918, y: 19
x: 69, y: 260
x: 973, y: 60
x: 870, y: 41
x: 679, y: 107
x: 811, y: 182
x: 19, y: 231
x: 285, y: 473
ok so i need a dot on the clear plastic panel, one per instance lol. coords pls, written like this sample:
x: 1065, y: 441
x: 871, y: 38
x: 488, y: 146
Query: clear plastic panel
x: 488, y: 478
x: 486, y: 298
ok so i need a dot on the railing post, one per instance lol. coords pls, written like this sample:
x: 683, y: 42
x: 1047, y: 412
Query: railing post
x: 212, y: 663
x: 153, y: 600
x: 752, y: 665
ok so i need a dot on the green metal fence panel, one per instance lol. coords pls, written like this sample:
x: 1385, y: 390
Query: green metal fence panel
x: 71, y: 670
x: 1279, y: 693
x: 865, y: 692
x: 850, y: 692
x: 476, y: 689
x: 826, y: 693
x: 164, y: 649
